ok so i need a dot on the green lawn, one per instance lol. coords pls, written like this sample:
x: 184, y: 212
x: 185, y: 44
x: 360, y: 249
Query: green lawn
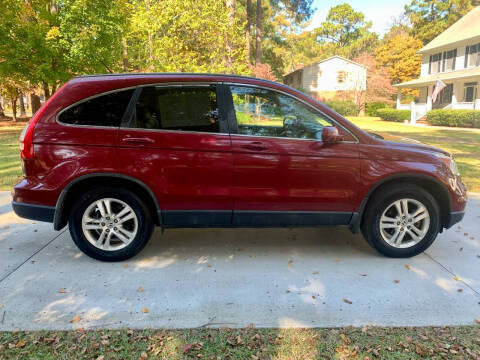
x: 243, y: 344
x: 464, y: 144
x: 10, y: 166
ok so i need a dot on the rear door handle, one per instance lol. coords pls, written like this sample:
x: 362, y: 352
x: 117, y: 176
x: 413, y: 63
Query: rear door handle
x: 138, y: 140
x: 254, y: 146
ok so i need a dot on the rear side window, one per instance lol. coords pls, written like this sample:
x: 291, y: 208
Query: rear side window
x: 104, y: 110
x: 177, y: 108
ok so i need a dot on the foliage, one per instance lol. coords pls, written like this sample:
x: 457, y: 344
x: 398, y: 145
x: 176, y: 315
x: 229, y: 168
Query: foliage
x: 388, y: 114
x: 346, y: 31
x: 372, y: 107
x: 454, y: 118
x: 262, y: 71
x: 343, y: 107
x: 399, y: 55
x: 379, y: 87
x: 429, y: 18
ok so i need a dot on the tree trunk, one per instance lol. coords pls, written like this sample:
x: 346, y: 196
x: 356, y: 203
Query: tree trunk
x: 35, y: 100
x: 247, y: 30
x: 46, y: 90
x: 14, y: 109
x: 23, y: 113
x: 54, y: 87
x: 231, y: 20
x: 258, y: 33
x: 2, y: 112
x: 124, y: 54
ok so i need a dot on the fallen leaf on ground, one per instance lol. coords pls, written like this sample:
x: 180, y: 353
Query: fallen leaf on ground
x: 125, y: 266
x: 477, y: 321
x: 140, y: 289
x: 315, y: 273
x: 62, y: 291
x: 144, y: 310
x: 461, y: 249
x: 239, y: 249
x: 459, y: 290
x: 75, y: 319
x: 208, y: 265
x: 143, y: 355
x: 313, y: 296
x: 336, y: 259
x: 457, y: 278
x: 472, y: 238
x: 347, y: 301
x: 101, y: 357
x: 363, y: 274
x: 396, y: 281
x: 466, y: 234
x: 187, y: 348
x: 408, y: 266
x: 20, y: 344
x: 287, y: 291
x: 5, y: 227
x: 419, y: 350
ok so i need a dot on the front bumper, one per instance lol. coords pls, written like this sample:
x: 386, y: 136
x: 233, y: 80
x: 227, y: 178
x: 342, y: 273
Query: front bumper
x: 34, y: 212
x: 454, y: 218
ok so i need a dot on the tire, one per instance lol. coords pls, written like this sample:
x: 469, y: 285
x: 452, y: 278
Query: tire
x: 397, y: 238
x: 126, y: 234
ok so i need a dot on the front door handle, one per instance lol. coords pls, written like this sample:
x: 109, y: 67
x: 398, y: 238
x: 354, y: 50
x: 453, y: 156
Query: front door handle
x: 254, y: 146
x: 138, y: 140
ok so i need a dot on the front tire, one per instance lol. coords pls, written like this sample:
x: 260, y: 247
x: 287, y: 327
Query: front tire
x: 401, y: 221
x: 110, y: 224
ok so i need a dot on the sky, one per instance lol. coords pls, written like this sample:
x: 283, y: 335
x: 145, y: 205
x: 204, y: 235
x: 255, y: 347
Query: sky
x: 380, y: 12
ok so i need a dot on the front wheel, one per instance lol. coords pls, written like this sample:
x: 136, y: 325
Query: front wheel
x: 110, y: 224
x: 401, y: 221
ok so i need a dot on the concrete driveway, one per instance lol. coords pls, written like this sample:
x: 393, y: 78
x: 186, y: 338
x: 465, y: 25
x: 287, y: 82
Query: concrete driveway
x: 234, y: 277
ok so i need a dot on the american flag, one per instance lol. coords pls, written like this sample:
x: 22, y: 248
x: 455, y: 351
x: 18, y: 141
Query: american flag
x: 439, y: 86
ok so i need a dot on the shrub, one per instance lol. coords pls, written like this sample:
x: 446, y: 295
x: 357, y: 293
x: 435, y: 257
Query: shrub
x: 454, y: 118
x: 394, y: 114
x: 372, y: 107
x: 345, y: 108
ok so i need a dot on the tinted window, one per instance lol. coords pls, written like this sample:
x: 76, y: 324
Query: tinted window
x: 177, y: 108
x: 104, y: 110
x: 261, y: 112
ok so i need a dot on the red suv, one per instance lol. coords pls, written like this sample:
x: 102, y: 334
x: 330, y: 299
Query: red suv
x: 114, y: 155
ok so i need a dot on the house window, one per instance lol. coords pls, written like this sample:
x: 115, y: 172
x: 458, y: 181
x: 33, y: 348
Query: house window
x: 449, y: 60
x: 435, y: 63
x: 470, y: 92
x: 341, y: 76
x: 472, y: 57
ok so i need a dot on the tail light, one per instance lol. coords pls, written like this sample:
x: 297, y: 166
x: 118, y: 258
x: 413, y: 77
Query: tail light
x: 26, y: 137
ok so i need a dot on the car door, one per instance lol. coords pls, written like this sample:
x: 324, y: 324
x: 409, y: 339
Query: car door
x: 283, y: 173
x: 176, y: 141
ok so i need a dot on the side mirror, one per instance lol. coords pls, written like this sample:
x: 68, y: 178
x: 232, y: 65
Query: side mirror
x: 330, y: 134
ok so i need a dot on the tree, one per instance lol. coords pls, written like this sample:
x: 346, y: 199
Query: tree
x: 379, y: 87
x: 346, y: 32
x: 399, y: 55
x: 429, y: 18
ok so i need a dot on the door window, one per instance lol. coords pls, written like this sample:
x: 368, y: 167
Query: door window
x: 104, y: 110
x: 262, y: 112
x: 470, y: 92
x: 177, y: 108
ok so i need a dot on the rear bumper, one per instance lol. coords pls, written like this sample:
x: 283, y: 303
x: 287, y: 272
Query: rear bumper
x: 455, y: 217
x: 34, y: 212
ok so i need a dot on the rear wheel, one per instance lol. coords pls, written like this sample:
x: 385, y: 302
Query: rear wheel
x: 401, y: 221
x: 110, y: 224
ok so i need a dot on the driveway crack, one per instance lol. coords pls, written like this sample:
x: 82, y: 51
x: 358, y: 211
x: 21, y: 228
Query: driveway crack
x: 452, y: 273
x: 31, y: 256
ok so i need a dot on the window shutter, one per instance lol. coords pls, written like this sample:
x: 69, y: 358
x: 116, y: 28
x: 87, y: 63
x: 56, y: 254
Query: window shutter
x: 444, y: 60
x: 430, y: 65
x: 466, y: 56
x: 454, y: 59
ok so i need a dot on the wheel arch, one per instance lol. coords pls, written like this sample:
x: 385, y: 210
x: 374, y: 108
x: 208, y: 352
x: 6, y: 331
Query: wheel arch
x: 429, y: 183
x: 75, y: 187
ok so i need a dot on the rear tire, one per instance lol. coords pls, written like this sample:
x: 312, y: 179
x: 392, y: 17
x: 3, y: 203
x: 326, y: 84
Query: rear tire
x: 401, y: 221
x: 110, y: 224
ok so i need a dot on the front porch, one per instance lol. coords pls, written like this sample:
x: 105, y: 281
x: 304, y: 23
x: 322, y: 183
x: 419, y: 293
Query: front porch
x: 460, y: 93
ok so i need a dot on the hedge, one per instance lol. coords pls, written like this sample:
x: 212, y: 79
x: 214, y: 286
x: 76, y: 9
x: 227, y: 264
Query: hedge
x: 345, y: 108
x: 372, y: 107
x: 394, y: 114
x: 454, y: 118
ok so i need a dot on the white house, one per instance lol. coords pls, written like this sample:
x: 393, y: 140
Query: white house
x: 325, y: 78
x: 454, y: 58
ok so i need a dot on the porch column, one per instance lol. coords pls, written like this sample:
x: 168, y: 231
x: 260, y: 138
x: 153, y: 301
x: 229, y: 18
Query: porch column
x: 454, y: 97
x: 429, y: 99
x: 413, y: 113
x: 399, y: 98
x: 477, y: 104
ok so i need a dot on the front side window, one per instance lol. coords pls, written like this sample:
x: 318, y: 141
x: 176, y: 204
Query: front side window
x: 449, y: 60
x: 470, y: 92
x: 103, y: 110
x: 177, y: 108
x: 262, y: 112
x: 435, y: 61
